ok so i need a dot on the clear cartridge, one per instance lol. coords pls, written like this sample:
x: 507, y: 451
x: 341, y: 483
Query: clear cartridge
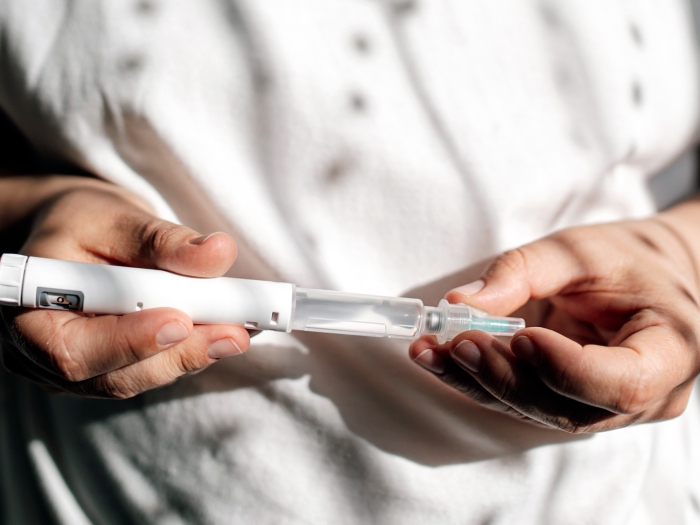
x: 397, y: 317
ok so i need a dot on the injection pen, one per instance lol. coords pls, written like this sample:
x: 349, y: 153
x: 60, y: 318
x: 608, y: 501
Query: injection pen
x: 36, y: 282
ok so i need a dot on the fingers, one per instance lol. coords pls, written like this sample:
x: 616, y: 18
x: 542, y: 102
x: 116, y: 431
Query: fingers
x: 167, y: 246
x: 119, y: 357
x: 517, y: 384
x: 424, y: 352
x: 534, y: 271
x: 625, y: 379
x: 579, y: 388
x: 77, y: 348
x: 562, y: 384
x: 501, y: 382
x: 206, y: 345
x: 104, y: 227
x: 98, y: 355
x: 625, y: 348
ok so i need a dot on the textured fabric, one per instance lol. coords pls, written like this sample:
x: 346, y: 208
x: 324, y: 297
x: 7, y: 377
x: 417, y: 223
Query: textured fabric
x: 380, y: 147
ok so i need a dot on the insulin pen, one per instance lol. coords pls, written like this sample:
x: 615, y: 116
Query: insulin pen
x: 36, y: 282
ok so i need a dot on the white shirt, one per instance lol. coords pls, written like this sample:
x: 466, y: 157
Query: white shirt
x: 379, y: 147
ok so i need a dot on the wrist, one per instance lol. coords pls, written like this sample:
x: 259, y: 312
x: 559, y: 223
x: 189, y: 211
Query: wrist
x: 682, y: 222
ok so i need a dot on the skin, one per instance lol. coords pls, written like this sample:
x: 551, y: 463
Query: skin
x: 613, y: 311
x: 83, y: 219
x: 613, y: 326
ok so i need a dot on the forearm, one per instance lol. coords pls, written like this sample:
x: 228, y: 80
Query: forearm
x: 22, y: 196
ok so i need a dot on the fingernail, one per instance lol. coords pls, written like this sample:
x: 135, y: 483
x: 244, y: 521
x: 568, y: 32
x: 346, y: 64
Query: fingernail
x: 471, y: 288
x: 202, y: 239
x: 172, y: 333
x: 223, y: 348
x: 468, y: 355
x: 431, y: 361
x: 524, y: 348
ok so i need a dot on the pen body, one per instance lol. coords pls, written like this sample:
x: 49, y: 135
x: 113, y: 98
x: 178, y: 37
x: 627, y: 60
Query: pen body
x: 35, y: 282
x: 107, y: 289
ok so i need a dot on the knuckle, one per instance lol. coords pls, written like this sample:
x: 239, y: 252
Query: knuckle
x: 157, y: 235
x: 468, y: 386
x: 122, y: 339
x: 635, y: 395
x: 506, y: 387
x: 580, y: 420
x: 514, y: 260
x: 68, y: 368
x: 65, y: 362
x: 569, y: 427
x: 116, y: 385
x: 160, y: 238
x: 188, y: 361
x: 578, y: 425
x: 571, y: 237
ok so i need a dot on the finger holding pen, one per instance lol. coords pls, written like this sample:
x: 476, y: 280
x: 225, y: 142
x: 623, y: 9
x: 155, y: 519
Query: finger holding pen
x: 117, y: 356
x: 618, y: 343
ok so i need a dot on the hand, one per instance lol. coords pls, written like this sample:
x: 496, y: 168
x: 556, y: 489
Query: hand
x: 618, y: 337
x: 116, y: 356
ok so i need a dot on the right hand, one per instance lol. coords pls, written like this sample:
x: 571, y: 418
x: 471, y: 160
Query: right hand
x: 116, y: 356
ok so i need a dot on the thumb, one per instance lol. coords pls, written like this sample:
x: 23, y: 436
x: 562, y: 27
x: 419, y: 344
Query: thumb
x: 534, y: 271
x: 175, y: 248
x: 105, y: 226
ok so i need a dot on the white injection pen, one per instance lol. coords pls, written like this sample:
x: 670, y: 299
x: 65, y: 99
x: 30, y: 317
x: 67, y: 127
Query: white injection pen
x: 35, y: 282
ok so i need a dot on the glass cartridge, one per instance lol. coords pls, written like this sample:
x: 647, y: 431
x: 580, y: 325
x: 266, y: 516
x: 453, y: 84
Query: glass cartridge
x: 395, y: 317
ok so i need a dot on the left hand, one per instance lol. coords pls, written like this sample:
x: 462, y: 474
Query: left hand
x: 618, y: 339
